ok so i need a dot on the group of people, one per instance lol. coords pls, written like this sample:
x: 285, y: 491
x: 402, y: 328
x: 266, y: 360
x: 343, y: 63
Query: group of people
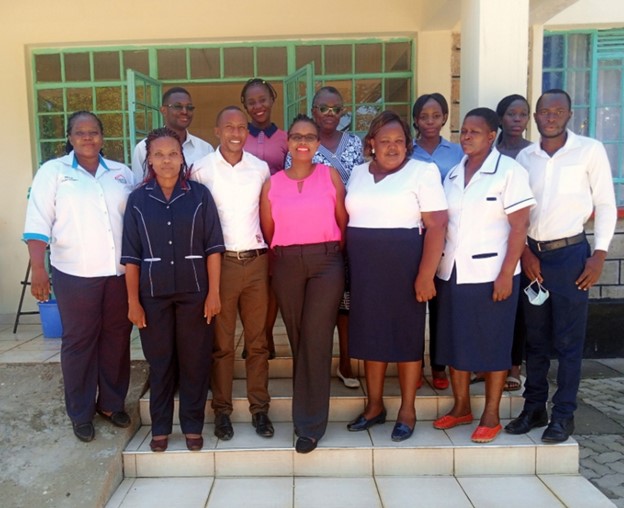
x: 193, y: 237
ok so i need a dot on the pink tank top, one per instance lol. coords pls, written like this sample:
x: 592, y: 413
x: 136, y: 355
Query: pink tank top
x: 304, y: 217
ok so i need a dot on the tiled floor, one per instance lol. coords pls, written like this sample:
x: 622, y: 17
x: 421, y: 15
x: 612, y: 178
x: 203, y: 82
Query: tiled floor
x: 384, y: 492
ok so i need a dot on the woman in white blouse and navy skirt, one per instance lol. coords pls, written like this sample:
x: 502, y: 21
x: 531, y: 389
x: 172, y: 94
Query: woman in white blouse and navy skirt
x: 392, y: 263
x: 478, y: 278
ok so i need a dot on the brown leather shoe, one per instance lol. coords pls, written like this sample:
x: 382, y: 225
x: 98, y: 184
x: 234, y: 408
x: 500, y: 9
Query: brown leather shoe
x: 159, y: 445
x: 195, y: 443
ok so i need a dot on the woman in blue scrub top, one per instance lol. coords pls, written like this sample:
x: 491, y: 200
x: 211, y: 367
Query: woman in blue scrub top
x: 172, y: 245
x: 430, y: 114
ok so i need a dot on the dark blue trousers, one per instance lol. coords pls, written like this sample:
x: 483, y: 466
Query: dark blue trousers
x: 177, y: 343
x: 556, y: 328
x: 95, y: 349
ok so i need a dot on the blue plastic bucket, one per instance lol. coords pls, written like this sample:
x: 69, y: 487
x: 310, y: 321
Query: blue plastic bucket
x: 50, y: 319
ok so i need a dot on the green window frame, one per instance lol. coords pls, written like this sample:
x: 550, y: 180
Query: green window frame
x: 371, y: 74
x: 589, y: 64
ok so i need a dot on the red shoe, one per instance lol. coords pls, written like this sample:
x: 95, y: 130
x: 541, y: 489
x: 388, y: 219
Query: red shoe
x: 485, y: 434
x: 448, y: 421
x: 440, y: 383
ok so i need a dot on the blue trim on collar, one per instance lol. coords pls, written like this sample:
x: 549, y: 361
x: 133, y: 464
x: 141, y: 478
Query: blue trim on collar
x: 268, y: 132
x: 101, y: 162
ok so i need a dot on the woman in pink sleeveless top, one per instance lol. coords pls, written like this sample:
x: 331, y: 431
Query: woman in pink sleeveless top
x: 303, y: 216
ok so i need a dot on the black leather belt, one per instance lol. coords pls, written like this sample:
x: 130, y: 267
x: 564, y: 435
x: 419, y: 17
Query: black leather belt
x: 245, y: 254
x: 557, y: 244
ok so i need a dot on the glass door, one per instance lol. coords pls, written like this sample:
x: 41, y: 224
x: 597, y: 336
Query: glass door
x: 144, y: 97
x: 298, y: 93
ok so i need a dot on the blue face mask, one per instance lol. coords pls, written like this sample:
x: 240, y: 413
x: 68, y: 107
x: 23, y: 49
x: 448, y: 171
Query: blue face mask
x: 536, y: 293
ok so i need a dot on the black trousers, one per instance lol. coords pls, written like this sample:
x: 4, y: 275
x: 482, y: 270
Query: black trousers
x: 95, y: 348
x: 309, y: 281
x: 177, y: 343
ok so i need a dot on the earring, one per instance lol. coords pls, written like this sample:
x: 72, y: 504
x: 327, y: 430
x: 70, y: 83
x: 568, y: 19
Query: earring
x: 373, y: 151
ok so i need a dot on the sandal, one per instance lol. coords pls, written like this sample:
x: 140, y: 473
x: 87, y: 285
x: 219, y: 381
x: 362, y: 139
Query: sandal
x: 512, y: 384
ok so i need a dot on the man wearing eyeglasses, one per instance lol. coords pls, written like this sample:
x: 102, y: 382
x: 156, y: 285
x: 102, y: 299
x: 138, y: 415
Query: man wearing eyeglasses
x: 177, y: 111
x: 571, y: 178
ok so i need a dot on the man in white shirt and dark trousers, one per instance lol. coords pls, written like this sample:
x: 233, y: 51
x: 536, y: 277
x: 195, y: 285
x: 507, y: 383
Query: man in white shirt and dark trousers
x: 571, y: 178
x: 177, y: 110
x: 235, y: 178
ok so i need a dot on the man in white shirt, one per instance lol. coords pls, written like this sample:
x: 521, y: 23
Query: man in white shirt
x: 177, y: 110
x: 235, y: 178
x: 571, y: 179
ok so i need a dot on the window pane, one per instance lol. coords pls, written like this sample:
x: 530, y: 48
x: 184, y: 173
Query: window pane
x: 79, y: 99
x: 398, y: 56
x: 578, y: 50
x: 552, y: 80
x: 338, y: 59
x: 578, y: 86
x: 344, y: 87
x: 204, y: 63
x: 108, y: 98
x: 364, y: 115
x: 403, y: 110
x: 113, y: 149
x: 47, y: 68
x: 271, y: 62
x: 50, y: 100
x: 77, y: 67
x: 397, y: 90
x: 171, y: 63
x: 580, y: 121
x: 609, y: 85
x: 368, y: 58
x: 553, y: 51
x: 52, y: 150
x: 238, y: 62
x: 136, y: 60
x: 113, y: 124
x: 368, y: 90
x: 307, y: 54
x: 52, y: 126
x: 608, y: 123
x: 613, y: 151
x: 106, y: 65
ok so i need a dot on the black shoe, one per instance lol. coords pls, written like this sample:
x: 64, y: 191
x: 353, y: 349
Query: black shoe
x: 223, y: 427
x: 401, y: 432
x: 263, y: 424
x: 558, y: 430
x: 117, y: 418
x: 305, y: 445
x: 84, y: 431
x: 361, y: 423
x: 526, y: 421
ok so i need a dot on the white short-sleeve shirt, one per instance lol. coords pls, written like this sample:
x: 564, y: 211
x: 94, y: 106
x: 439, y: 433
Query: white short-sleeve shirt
x: 79, y: 215
x: 236, y: 191
x: 397, y: 200
x: 478, y: 228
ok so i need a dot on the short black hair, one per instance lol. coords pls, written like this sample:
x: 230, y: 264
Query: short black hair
x: 489, y: 115
x: 304, y: 118
x: 555, y: 91
x: 505, y: 102
x: 228, y: 108
x: 381, y: 120
x: 171, y: 91
x: 329, y: 89
x: 260, y: 82
x: 70, y: 125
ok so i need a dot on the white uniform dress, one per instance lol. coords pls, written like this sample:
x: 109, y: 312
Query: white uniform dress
x: 474, y: 332
x: 385, y: 241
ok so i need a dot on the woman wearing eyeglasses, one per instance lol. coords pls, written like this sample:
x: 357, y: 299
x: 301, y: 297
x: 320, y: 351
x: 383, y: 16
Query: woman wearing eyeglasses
x: 303, y: 217
x: 343, y: 151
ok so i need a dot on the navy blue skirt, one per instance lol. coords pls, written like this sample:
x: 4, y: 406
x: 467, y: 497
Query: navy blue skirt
x: 475, y: 333
x: 386, y: 323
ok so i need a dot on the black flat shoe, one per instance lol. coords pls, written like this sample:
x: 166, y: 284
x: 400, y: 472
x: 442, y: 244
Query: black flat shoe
x: 401, y: 432
x: 195, y: 443
x: 84, y: 431
x: 526, y: 421
x: 262, y: 424
x: 117, y: 418
x: 558, y: 430
x: 223, y: 427
x: 361, y: 423
x: 305, y: 445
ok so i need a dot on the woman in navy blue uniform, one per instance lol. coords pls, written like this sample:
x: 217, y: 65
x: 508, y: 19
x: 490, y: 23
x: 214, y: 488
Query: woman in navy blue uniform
x: 172, y: 245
